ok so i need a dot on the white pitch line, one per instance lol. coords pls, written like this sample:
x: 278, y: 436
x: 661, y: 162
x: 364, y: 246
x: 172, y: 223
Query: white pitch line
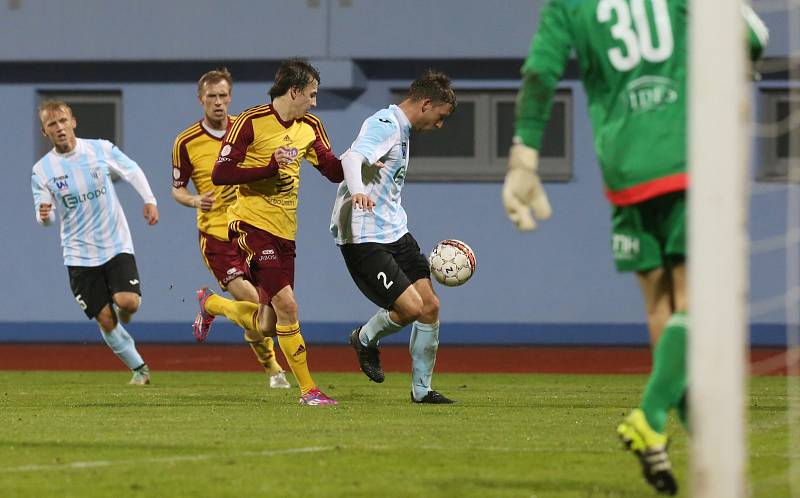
x: 177, y: 458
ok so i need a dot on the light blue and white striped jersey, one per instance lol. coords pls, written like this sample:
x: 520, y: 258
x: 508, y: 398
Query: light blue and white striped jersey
x: 385, y: 137
x: 78, y: 185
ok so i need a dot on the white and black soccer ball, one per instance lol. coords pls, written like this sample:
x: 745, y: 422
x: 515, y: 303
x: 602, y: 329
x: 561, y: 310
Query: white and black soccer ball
x: 452, y: 262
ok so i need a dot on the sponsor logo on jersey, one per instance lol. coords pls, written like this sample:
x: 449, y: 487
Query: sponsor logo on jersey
x: 61, y: 182
x: 134, y: 281
x: 71, y: 201
x: 650, y: 92
x: 176, y: 173
x: 286, y: 138
x: 226, y: 149
x: 231, y: 271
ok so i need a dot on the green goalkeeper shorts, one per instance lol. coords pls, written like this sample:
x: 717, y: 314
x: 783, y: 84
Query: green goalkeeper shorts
x: 650, y: 234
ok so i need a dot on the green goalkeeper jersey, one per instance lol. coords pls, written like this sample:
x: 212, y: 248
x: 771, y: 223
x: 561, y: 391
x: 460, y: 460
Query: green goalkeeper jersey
x: 632, y: 60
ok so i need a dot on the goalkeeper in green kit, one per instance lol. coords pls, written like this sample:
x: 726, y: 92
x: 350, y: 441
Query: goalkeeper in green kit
x: 632, y: 60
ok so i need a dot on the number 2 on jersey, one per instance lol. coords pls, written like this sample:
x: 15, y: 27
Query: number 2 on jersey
x: 633, y: 30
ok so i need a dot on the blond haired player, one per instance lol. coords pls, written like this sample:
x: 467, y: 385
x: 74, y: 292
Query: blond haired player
x: 193, y: 157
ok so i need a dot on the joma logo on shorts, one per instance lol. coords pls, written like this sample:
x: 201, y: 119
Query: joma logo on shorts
x: 625, y: 246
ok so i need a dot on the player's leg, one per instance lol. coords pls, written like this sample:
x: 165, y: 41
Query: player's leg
x: 294, y: 347
x: 124, y: 285
x: 643, y: 430
x: 380, y: 278
x: 424, y: 345
x: 667, y: 383
x: 272, y: 268
x: 229, y: 267
x: 262, y: 345
x: 122, y: 277
x: 656, y: 288
x: 89, y: 287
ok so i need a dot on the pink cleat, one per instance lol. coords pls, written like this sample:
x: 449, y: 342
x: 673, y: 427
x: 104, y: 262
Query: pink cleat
x: 202, y: 322
x: 315, y: 397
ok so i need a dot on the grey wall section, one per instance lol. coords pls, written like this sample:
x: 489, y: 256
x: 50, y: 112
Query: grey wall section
x: 560, y: 274
x: 86, y: 30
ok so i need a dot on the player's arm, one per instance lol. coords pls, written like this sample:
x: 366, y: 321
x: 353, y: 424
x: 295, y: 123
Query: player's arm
x: 42, y: 200
x: 226, y: 170
x: 127, y: 169
x: 352, y: 162
x: 320, y: 153
x: 182, y: 169
x: 541, y: 72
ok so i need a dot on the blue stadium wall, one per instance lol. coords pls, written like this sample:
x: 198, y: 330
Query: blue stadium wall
x: 554, y: 286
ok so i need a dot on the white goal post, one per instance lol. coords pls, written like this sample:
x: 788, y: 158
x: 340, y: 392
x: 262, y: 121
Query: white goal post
x: 719, y: 151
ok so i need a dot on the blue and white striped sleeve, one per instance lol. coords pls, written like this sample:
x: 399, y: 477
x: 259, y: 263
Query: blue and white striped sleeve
x: 129, y: 171
x: 377, y: 136
x: 41, y: 195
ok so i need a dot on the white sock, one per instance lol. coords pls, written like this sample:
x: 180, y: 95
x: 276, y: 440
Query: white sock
x: 379, y: 326
x: 423, y: 345
x: 121, y: 343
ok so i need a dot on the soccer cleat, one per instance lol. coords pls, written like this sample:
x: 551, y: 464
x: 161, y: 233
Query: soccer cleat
x: 433, y: 398
x: 141, y: 376
x: 202, y: 322
x: 369, y: 359
x: 315, y: 397
x: 651, y: 449
x: 278, y: 381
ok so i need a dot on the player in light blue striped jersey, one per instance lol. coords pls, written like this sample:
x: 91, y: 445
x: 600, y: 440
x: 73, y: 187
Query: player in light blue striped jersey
x: 74, y: 180
x: 370, y: 228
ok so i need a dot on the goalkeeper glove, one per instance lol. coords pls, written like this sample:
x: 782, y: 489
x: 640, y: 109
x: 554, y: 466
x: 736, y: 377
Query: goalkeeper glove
x: 522, y: 189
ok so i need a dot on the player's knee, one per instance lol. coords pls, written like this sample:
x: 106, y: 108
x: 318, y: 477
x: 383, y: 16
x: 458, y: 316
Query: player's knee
x: 284, y: 306
x: 105, y: 319
x: 127, y: 302
x: 430, y: 310
x: 411, y: 310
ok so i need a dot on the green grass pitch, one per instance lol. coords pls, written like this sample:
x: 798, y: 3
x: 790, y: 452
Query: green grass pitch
x: 226, y: 435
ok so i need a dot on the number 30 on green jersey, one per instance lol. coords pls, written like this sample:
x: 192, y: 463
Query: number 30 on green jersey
x: 633, y: 29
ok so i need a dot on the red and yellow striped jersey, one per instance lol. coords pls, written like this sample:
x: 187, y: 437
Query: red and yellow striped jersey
x: 193, y: 156
x: 271, y: 204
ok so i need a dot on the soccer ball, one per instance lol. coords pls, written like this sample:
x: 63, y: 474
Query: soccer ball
x: 452, y: 262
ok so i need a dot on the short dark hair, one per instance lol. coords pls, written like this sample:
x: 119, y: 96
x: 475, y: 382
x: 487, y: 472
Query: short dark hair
x: 433, y: 85
x: 293, y: 73
x: 214, y: 76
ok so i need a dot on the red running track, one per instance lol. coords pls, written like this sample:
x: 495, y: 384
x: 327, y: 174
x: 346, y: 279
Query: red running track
x: 239, y: 358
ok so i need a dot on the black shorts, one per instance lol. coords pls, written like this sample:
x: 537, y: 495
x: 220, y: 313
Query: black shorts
x: 94, y: 286
x: 383, y: 271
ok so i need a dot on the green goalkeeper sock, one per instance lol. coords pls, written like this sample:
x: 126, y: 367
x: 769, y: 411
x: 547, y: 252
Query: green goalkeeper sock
x: 667, y: 383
